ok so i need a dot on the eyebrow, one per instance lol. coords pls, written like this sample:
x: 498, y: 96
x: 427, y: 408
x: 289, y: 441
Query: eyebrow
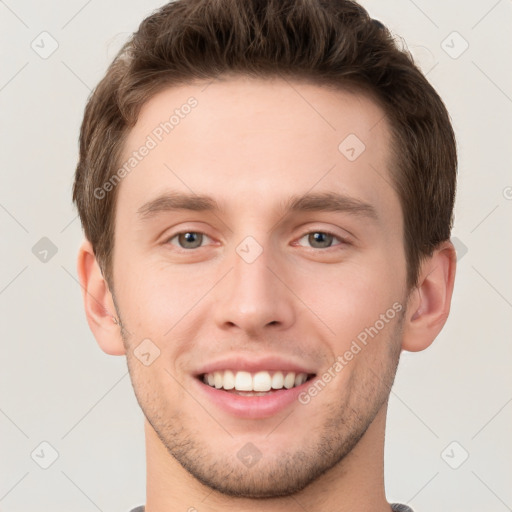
x: 309, y: 202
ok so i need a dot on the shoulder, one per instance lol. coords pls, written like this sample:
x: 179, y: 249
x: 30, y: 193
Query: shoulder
x: 396, y: 507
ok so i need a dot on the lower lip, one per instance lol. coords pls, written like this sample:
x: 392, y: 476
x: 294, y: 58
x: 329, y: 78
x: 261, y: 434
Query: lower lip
x: 252, y: 407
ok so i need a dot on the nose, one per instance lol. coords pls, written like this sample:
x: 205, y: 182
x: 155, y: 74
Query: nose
x: 255, y: 295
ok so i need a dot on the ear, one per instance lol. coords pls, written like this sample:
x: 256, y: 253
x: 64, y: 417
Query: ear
x: 98, y: 302
x: 429, y: 303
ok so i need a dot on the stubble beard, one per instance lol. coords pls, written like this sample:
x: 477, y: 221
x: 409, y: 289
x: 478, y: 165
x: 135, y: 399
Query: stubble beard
x: 290, y: 471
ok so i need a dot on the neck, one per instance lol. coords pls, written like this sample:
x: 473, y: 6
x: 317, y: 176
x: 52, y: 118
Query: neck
x: 356, y: 483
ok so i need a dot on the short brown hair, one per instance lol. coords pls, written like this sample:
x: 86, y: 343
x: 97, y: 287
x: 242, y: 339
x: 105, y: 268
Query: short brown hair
x: 327, y: 42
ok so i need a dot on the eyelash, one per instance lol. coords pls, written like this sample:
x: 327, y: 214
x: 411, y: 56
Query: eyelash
x: 342, y: 240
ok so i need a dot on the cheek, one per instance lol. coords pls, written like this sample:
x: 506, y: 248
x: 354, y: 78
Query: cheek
x: 155, y: 297
x: 363, y: 313
x: 350, y: 298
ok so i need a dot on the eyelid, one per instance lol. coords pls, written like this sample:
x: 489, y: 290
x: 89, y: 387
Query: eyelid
x: 183, y: 227
x: 342, y: 239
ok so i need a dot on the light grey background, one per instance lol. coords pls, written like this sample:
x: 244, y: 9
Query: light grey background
x: 56, y: 385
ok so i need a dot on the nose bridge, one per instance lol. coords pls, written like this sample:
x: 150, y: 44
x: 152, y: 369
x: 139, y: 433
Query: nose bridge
x: 251, y: 275
x: 253, y: 297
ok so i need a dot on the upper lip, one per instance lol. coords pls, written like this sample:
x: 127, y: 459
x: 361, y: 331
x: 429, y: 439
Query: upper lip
x: 254, y: 364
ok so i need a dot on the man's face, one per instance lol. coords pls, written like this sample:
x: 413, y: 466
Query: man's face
x: 254, y: 290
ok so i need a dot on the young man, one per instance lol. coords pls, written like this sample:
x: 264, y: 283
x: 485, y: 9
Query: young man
x: 266, y: 189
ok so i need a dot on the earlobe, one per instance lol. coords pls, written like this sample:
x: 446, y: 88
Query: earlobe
x: 98, y: 303
x: 429, y: 304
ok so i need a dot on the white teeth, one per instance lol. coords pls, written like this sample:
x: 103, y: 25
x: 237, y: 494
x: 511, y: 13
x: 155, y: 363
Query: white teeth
x: 229, y: 380
x: 260, y: 381
x: 277, y: 380
x: 300, y: 378
x: 243, y: 381
x: 289, y: 380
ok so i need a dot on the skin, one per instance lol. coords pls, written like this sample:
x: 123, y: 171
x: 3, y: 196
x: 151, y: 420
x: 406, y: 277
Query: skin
x: 252, y: 144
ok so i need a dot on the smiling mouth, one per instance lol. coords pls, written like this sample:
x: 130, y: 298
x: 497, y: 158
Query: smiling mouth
x: 254, y: 384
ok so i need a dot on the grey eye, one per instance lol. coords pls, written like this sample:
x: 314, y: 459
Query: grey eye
x: 319, y: 239
x: 189, y: 239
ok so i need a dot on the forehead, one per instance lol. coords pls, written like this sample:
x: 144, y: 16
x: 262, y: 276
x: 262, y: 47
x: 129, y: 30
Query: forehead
x: 244, y: 138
